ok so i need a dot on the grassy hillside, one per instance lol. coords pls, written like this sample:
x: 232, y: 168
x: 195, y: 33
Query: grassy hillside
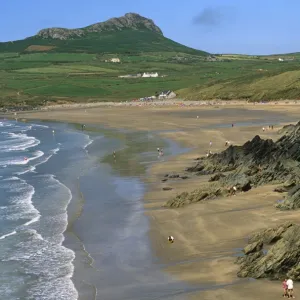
x: 121, y: 42
x: 38, y: 78
x: 63, y: 66
x: 271, y: 83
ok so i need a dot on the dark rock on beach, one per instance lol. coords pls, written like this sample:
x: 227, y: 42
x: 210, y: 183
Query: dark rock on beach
x: 257, y: 162
x: 167, y: 188
x: 292, y: 200
x: 174, y: 176
x: 272, y: 253
x: 216, y: 177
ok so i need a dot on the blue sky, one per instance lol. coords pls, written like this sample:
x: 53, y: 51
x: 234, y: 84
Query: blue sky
x: 217, y: 26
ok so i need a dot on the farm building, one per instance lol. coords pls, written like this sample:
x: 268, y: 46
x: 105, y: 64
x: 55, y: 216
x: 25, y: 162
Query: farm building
x: 131, y: 76
x: 115, y: 60
x: 167, y: 95
x: 147, y: 75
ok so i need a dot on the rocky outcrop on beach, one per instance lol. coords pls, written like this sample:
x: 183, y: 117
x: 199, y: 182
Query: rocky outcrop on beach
x: 257, y: 162
x: 272, y: 253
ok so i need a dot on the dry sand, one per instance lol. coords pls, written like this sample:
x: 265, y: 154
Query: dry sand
x: 208, y: 235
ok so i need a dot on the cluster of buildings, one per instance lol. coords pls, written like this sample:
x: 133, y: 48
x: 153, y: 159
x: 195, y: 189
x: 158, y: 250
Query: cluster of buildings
x: 285, y: 59
x: 113, y: 60
x: 162, y: 95
x: 140, y: 75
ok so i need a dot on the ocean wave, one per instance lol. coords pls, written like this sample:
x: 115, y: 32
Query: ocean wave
x: 30, y: 169
x: 18, y: 142
x: 54, y: 151
x: 33, y: 167
x: 90, y: 141
x: 8, y: 234
x: 20, y: 206
x: 52, y: 266
x: 22, y: 161
x: 42, y: 256
x: 39, y: 125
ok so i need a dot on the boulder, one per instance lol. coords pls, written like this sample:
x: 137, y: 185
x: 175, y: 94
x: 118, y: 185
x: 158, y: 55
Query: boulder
x: 254, y: 247
x: 216, y: 177
x: 292, y: 200
x: 173, y: 176
x: 167, y: 188
x: 280, y: 259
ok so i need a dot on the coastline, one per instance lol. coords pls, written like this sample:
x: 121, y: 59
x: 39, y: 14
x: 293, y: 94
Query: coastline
x: 203, y: 261
x: 88, y: 283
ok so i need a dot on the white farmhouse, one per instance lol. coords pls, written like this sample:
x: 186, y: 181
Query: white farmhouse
x: 115, y: 60
x: 147, y: 75
x: 167, y: 95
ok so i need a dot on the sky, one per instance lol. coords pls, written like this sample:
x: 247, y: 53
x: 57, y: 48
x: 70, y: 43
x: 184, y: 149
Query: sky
x: 216, y: 26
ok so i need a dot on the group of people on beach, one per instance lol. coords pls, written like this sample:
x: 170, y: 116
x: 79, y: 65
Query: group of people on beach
x: 270, y: 127
x: 288, y: 288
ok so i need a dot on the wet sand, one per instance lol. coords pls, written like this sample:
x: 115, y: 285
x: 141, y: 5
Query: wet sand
x: 209, y: 235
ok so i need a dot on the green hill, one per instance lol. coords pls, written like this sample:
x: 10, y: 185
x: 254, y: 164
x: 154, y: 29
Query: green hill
x: 61, y: 65
x: 129, y: 34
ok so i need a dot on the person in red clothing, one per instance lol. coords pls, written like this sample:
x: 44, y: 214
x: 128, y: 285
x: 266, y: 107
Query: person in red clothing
x: 285, y: 287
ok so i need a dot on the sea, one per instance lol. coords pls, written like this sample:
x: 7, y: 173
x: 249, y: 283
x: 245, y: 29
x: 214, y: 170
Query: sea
x: 34, y: 158
x: 72, y: 225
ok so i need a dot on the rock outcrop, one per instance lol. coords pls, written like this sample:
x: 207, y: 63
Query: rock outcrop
x: 272, y: 253
x: 129, y: 21
x: 253, y: 164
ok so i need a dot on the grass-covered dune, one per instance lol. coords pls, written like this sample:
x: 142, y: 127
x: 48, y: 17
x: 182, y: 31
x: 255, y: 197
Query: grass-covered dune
x: 283, y: 84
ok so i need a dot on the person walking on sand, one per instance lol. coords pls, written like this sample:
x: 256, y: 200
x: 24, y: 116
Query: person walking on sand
x: 263, y: 129
x: 290, y: 288
x: 161, y: 152
x: 234, y: 189
x: 285, y: 287
x: 210, y: 143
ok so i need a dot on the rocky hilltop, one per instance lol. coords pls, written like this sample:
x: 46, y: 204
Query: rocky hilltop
x: 253, y: 164
x: 129, y: 21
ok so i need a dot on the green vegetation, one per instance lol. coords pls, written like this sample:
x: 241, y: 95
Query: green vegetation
x: 273, y: 81
x: 38, y: 70
x: 121, y: 42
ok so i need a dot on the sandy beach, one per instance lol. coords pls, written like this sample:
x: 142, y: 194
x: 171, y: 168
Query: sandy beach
x: 209, y: 235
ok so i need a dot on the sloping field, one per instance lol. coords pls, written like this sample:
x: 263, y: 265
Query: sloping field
x: 39, y: 48
x: 67, y: 69
x: 280, y: 86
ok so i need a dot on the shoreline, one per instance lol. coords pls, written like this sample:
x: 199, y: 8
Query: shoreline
x: 191, y: 222
x: 158, y: 103
x: 86, y: 250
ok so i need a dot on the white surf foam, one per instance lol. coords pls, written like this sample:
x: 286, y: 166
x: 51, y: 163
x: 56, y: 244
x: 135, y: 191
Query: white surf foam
x: 33, y: 168
x: 22, y: 161
x: 39, y: 125
x: 89, y: 142
x: 18, y: 142
x: 6, y: 235
x: 20, y: 206
x: 46, y: 258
